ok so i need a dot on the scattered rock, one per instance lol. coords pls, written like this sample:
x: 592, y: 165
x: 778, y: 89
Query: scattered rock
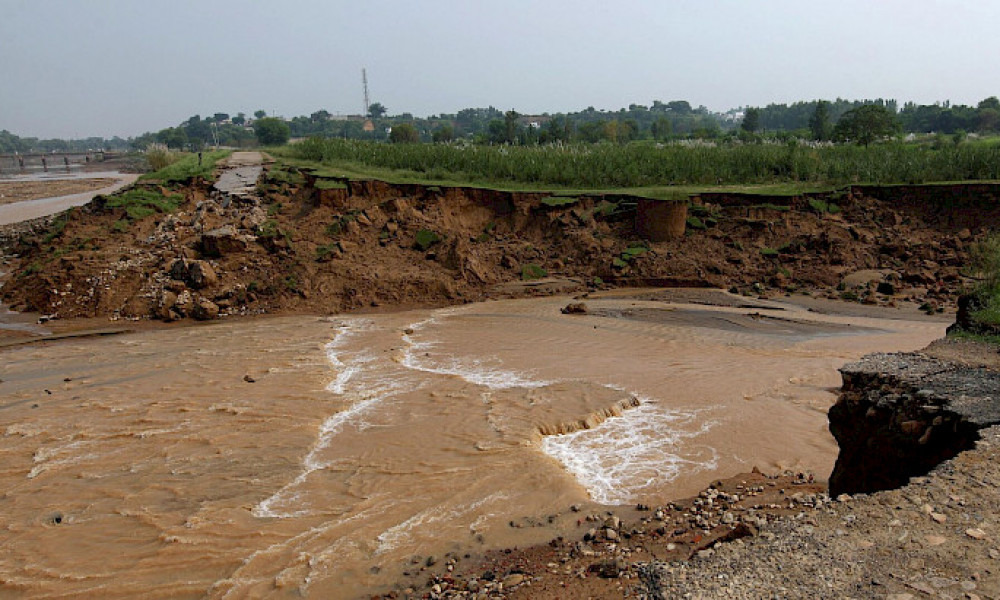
x: 575, y: 308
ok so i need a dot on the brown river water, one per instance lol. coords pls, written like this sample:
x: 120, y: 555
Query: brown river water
x: 144, y: 465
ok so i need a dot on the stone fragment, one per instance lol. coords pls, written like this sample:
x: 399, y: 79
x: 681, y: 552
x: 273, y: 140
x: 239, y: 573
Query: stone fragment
x: 975, y: 533
x: 201, y: 274
x: 222, y: 241
x: 205, y: 310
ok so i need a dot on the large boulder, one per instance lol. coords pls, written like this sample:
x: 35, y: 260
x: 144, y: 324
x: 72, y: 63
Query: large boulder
x: 201, y: 275
x: 221, y: 241
x: 205, y: 310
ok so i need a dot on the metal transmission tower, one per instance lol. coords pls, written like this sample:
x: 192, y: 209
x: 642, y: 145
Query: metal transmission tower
x: 364, y: 83
x: 368, y: 126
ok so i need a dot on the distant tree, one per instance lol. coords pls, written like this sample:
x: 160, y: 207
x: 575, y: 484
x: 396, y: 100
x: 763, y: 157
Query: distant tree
x: 610, y: 131
x: 376, y: 110
x: 987, y: 119
x: 990, y: 103
x: 444, y: 133
x: 320, y: 115
x: 259, y: 114
x: 591, y: 131
x: 220, y: 117
x: 819, y: 122
x: 661, y: 128
x: 404, y: 133
x: 510, y: 126
x: 239, y: 119
x: 751, y: 120
x: 682, y: 107
x: 173, y: 137
x: 988, y: 114
x: 865, y: 124
x: 271, y: 131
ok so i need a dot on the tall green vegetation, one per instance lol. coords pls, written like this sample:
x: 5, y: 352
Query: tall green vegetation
x: 984, y: 263
x: 603, y: 166
x: 404, y: 133
x: 271, y: 131
x: 188, y: 167
x: 159, y: 156
x: 865, y: 124
x: 819, y: 122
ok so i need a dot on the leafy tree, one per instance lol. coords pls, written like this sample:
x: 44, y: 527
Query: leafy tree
x: 989, y: 103
x: 320, y: 115
x: 819, y: 122
x: 988, y: 119
x: 661, y: 128
x: 751, y: 120
x: 376, y: 110
x: 444, y: 133
x: 271, y: 131
x: 239, y: 119
x: 510, y: 126
x: 682, y: 107
x: 259, y: 114
x: 865, y: 124
x: 220, y: 117
x: 173, y: 137
x: 404, y: 133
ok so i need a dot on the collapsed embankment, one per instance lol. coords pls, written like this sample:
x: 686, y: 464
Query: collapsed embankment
x: 309, y: 244
x: 900, y: 415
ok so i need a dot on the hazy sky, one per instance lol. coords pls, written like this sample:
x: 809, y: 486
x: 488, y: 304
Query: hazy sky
x: 76, y: 68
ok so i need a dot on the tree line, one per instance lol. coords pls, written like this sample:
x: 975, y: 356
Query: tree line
x: 659, y: 121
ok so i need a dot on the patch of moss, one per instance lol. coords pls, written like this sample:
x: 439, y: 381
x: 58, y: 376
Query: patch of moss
x: 426, y: 238
x: 694, y: 222
x: 532, y: 271
x: 554, y: 201
x: 330, y: 184
x: 140, y: 203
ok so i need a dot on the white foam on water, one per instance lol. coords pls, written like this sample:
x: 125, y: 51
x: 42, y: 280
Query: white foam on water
x: 367, y: 397
x: 624, y: 455
x: 475, y: 371
x: 398, y: 534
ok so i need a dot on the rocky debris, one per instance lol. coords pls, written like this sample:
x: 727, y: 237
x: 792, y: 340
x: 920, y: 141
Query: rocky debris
x: 900, y: 415
x: 881, y: 546
x: 574, y: 308
x: 603, y: 555
x: 277, y: 249
x: 205, y: 310
x: 225, y: 240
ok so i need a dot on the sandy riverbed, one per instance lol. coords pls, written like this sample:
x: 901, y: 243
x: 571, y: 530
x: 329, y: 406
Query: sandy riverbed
x: 316, y: 456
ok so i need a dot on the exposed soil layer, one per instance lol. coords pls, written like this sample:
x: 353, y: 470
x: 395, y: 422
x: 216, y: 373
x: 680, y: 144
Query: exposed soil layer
x: 900, y: 415
x: 307, y: 246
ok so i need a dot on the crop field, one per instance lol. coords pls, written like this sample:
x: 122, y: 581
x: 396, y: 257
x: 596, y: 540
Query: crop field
x: 637, y: 165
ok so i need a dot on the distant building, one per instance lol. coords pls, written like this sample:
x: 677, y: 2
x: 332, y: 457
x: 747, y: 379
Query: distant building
x: 533, y: 121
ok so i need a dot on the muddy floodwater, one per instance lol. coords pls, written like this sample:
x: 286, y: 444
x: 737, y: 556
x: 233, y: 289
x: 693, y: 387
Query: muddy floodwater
x: 310, y: 456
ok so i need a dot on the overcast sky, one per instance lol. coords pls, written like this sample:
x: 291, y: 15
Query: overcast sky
x: 77, y: 68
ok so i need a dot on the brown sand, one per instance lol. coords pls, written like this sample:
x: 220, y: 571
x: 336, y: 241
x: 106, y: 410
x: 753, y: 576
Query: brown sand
x: 19, y: 191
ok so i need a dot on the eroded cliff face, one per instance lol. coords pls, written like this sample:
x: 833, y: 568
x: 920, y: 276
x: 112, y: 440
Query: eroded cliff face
x: 900, y: 415
x: 346, y: 245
